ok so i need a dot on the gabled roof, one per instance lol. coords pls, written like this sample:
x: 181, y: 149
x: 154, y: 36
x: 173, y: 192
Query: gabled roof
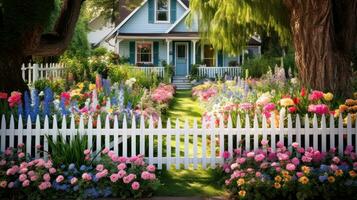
x: 178, y: 21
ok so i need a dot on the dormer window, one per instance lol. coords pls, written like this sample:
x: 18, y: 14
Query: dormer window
x: 162, y: 11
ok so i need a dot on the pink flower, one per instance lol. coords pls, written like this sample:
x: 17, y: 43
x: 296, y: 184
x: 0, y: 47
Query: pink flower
x: 246, y: 106
x: 121, y: 173
x: 8, y: 151
x: 38, y: 146
x: 46, y: 177
x: 44, y: 185
x: 2, y: 162
x: 111, y: 153
x: 151, y: 168
x: 299, y: 174
x: 241, y: 160
x: 295, y: 145
x: 11, y: 185
x: 105, y: 150
x: 100, y: 167
x: 320, y: 109
x: 21, y: 155
x: 264, y: 142
x: 34, y: 178
x: 102, y: 174
x: 283, y: 156
x: 250, y: 155
x: 52, y: 170
x: 316, y: 95
x: 152, y: 176
x: 121, y: 166
x: 301, y: 150
x: 14, y: 99
x: 59, y: 178
x: 86, y: 152
x: 290, y: 167
x: 258, y: 174
x: 86, y: 177
x: 74, y: 181
x: 26, y: 183
x: 23, y: 170
x: 269, y: 107
x: 135, y: 185
x: 21, y: 145
x: 145, y: 175
x: 226, y: 154
x: 259, y: 157
x: 295, y: 161
x: 336, y: 160
x: 280, y: 144
x: 3, y: 184
x: 122, y: 159
x: 114, y: 178
x: 31, y: 173
x: 22, y: 177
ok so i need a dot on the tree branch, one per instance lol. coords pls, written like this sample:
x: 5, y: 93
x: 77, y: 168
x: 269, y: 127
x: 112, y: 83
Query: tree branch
x: 56, y: 42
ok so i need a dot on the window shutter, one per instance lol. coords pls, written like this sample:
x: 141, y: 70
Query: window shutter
x: 173, y: 11
x: 220, y: 58
x: 156, y: 53
x: 198, y: 54
x: 132, y: 52
x: 151, y: 5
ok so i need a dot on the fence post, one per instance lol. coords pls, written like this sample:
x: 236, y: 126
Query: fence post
x: 23, y: 69
x: 35, y: 72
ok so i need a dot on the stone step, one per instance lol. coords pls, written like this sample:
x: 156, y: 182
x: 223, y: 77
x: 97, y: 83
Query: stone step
x: 181, y: 81
x: 179, y: 78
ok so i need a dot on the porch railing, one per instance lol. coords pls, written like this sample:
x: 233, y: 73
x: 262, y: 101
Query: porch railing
x: 33, y: 72
x: 159, y: 71
x: 212, y: 72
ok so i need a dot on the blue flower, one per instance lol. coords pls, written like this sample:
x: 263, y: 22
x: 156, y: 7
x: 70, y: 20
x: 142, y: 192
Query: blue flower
x: 322, y: 178
x: 48, y: 101
x: 27, y: 105
x: 107, y: 192
x: 71, y: 167
x: 344, y: 167
x: 324, y: 168
x: 83, y: 168
x: 76, y: 188
x: 63, y: 166
x: 63, y: 108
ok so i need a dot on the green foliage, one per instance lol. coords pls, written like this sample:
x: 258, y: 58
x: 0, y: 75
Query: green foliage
x: 194, y: 72
x: 260, y: 65
x: 63, y: 152
x: 169, y: 71
x: 121, y: 73
x: 222, y: 21
x: 79, y: 46
x: 57, y: 86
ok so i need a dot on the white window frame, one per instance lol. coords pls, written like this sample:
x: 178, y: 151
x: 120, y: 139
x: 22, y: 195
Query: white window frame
x: 152, y: 51
x: 215, y: 58
x: 168, y: 13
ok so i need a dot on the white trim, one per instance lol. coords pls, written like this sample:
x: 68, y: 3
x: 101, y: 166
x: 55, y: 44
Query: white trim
x: 168, y: 13
x: 158, y: 37
x: 257, y: 39
x: 182, y: 4
x: 178, y: 21
x: 152, y: 52
x: 123, y: 22
x: 187, y: 56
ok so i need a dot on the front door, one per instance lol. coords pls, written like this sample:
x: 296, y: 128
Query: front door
x: 181, y: 59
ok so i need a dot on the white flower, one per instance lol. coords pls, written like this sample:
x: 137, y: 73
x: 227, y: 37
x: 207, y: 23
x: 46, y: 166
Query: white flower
x: 294, y: 81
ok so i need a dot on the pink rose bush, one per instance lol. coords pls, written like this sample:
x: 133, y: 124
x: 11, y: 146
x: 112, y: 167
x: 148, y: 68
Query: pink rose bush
x: 108, y: 176
x: 297, y: 173
x: 163, y: 94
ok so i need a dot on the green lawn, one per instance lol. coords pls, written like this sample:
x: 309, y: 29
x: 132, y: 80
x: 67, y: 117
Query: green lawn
x: 188, y: 182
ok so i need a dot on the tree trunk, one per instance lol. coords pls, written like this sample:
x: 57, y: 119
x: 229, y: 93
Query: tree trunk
x: 324, y: 33
x: 11, y: 75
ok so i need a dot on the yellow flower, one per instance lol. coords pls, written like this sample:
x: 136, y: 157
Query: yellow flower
x: 286, y: 102
x: 353, y: 173
x: 278, y: 178
x: 287, y: 178
x: 92, y: 86
x: 80, y: 85
x: 240, y: 182
x: 331, y: 179
x: 339, y: 172
x: 285, y: 173
x: 242, y: 193
x: 305, y: 169
x: 277, y: 185
x: 328, y: 96
x: 304, y: 180
x: 110, y: 111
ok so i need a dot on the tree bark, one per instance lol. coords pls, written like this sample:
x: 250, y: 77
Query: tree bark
x: 35, y: 43
x: 324, y: 32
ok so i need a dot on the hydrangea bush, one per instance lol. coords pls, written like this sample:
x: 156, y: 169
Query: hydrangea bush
x: 291, y: 173
x: 122, y: 177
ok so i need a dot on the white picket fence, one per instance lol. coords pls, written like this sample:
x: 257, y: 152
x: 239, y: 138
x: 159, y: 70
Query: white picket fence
x: 159, y: 71
x: 177, y: 145
x: 33, y: 72
x: 212, y: 72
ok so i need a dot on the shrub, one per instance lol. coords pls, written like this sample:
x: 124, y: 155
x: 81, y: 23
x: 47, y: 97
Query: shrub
x: 260, y: 65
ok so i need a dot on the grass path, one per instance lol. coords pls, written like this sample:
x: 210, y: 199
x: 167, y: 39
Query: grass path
x: 199, y: 182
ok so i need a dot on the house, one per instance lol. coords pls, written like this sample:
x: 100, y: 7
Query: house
x: 156, y: 32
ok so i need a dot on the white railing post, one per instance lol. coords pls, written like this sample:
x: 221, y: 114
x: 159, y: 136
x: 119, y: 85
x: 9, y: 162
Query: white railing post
x: 35, y: 73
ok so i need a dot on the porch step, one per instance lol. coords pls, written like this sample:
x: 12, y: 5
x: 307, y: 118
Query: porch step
x: 182, y: 83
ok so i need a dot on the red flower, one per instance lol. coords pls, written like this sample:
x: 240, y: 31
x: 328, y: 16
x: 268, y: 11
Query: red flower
x: 3, y: 95
x: 303, y: 92
x: 292, y: 109
x: 296, y: 100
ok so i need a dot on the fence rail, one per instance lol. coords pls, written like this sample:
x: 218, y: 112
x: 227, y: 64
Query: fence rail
x: 212, y: 72
x: 159, y: 71
x: 202, y: 143
x: 33, y: 72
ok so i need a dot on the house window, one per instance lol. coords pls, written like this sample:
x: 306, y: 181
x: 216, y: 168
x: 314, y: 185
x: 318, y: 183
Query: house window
x: 162, y: 10
x: 144, y: 52
x: 209, y: 55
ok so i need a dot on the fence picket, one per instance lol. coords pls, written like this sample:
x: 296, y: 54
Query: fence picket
x: 168, y: 144
x: 307, y: 132
x: 90, y: 133
x: 28, y: 135
x: 3, y: 133
x: 281, y: 126
x: 213, y: 143
x: 124, y: 136
x: 177, y: 143
x: 316, y: 132
x: 349, y: 129
x: 230, y: 136
x: 204, y: 144
x: 256, y: 132
x: 11, y: 132
x: 247, y: 133
x: 290, y: 127
x: 99, y: 135
x: 239, y: 133
x: 142, y: 136
x: 264, y: 128
x: 195, y: 144
x: 298, y: 129
x: 46, y: 132
x: 133, y: 136
x: 272, y: 131
x: 323, y: 133
x: 340, y: 135
x: 116, y: 136
x: 37, y: 135
x: 20, y: 129
x: 151, y: 141
x: 221, y: 133
x: 186, y: 139
x: 107, y: 132
x: 159, y: 143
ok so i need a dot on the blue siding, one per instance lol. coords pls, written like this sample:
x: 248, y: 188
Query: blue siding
x: 182, y: 27
x: 227, y: 59
x: 139, y: 22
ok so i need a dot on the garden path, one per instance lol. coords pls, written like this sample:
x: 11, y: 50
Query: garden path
x: 188, y: 183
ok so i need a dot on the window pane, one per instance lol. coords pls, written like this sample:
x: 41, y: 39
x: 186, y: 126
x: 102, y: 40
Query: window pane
x: 162, y: 5
x: 143, y: 53
x: 209, y: 57
x: 162, y: 16
x: 181, y: 51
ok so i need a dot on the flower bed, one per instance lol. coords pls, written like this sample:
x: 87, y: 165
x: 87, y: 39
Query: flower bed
x: 291, y: 174
x: 272, y: 94
x: 87, y: 99
x: 108, y: 176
